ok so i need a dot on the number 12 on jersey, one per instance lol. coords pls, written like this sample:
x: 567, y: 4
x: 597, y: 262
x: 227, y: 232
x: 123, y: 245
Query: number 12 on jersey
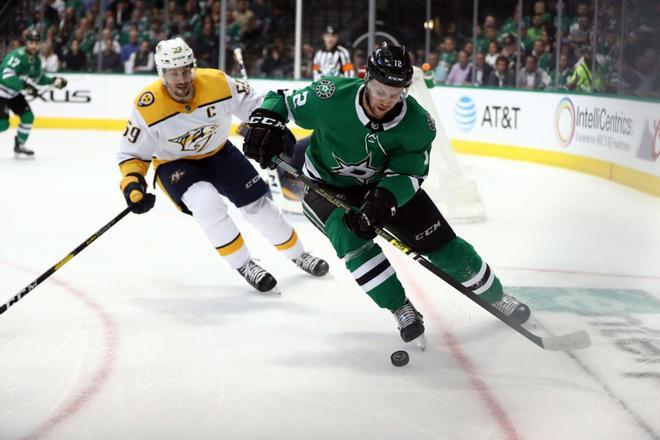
x: 300, y: 99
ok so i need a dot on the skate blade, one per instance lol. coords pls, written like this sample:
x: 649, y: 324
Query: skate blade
x: 21, y: 156
x: 420, y: 342
x: 275, y: 291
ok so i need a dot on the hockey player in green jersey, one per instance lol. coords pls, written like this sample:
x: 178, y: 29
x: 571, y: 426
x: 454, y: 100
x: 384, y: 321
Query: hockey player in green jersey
x: 21, y: 69
x: 371, y: 145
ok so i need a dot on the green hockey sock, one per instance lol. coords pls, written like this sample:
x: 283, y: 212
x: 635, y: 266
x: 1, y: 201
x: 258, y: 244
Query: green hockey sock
x: 463, y: 263
x: 24, y: 127
x: 373, y: 272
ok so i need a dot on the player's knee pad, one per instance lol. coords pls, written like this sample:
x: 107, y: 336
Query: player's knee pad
x: 205, y: 203
x: 267, y: 217
x: 27, y: 117
x: 420, y: 225
x: 262, y: 213
x: 4, y: 124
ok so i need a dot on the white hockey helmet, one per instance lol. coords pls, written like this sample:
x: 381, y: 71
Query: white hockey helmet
x: 173, y: 53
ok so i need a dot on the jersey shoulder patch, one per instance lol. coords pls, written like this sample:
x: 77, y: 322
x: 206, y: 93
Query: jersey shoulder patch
x: 324, y: 89
x: 153, y: 103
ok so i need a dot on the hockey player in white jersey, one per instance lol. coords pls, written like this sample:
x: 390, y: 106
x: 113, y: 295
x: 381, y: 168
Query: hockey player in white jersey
x: 181, y: 124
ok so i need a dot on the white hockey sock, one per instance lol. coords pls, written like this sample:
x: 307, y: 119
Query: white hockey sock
x: 210, y: 211
x: 268, y: 219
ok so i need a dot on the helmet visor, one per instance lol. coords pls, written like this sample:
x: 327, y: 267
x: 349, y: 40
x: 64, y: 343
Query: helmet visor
x: 384, y: 92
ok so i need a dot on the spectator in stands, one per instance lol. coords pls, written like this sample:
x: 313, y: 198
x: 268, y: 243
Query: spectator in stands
x: 490, y: 36
x: 541, y: 9
x: 75, y: 60
x: 131, y: 46
x: 68, y: 24
x: 448, y: 57
x: 579, y: 33
x: 501, y: 76
x: 459, y: 71
x: 50, y: 62
x: 468, y: 48
x: 333, y: 59
x: 273, y: 65
x: 438, y: 74
x: 532, y: 77
x: 493, y: 53
x: 510, y: 26
x: 245, y: 19
x: 111, y: 60
x: 509, y: 51
x: 641, y: 79
x: 582, y: 79
x: 536, y: 29
x: 141, y: 61
x: 207, y: 44
x: 482, y: 70
x: 560, y: 81
x: 106, y: 42
x: 542, y: 55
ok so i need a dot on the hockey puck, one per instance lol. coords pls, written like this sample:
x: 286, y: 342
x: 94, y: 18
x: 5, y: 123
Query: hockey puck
x: 399, y: 358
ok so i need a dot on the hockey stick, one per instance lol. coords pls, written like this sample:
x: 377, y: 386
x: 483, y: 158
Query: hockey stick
x: 63, y: 261
x: 238, y: 54
x: 571, y: 341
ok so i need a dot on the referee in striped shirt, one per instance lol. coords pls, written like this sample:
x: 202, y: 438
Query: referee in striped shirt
x: 332, y: 60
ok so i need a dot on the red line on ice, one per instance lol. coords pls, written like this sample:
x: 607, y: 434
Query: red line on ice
x: 496, y: 410
x: 79, y: 398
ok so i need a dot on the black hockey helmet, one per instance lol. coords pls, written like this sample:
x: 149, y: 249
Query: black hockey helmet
x: 33, y: 35
x: 390, y: 65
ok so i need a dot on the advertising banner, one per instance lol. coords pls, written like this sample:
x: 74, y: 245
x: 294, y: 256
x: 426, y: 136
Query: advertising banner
x: 621, y: 131
x: 611, y: 137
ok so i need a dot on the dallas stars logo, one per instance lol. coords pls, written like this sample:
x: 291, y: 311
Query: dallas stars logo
x: 325, y: 89
x: 361, y: 171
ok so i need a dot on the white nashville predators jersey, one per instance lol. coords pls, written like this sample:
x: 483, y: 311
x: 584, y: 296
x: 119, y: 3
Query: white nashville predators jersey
x: 163, y: 129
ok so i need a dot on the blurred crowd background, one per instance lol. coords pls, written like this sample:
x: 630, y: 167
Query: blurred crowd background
x: 606, y: 46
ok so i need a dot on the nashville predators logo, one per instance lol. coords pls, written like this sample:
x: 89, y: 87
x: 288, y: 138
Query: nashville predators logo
x: 177, y: 175
x: 196, y: 139
x: 146, y: 99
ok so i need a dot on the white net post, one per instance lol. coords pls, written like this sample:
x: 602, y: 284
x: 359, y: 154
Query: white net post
x: 455, y: 193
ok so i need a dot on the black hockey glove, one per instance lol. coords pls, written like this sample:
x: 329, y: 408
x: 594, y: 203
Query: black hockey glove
x: 59, y: 82
x: 134, y: 187
x: 378, y: 207
x: 265, y: 137
x: 30, y: 90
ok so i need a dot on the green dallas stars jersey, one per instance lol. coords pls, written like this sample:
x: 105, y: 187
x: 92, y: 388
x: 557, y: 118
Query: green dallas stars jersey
x: 18, y: 66
x: 347, y: 148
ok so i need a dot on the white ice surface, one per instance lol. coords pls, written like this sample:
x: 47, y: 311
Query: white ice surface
x: 147, y: 334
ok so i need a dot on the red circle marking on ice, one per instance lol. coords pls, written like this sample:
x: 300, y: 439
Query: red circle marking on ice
x: 80, y: 397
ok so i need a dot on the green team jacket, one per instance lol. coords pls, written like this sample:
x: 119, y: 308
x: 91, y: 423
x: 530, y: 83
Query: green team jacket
x: 347, y: 148
x: 18, y: 66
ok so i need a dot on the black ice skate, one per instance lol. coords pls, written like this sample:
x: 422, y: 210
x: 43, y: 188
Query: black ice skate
x: 411, y: 324
x: 19, y: 149
x: 311, y: 264
x: 257, y: 276
x: 514, y: 309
